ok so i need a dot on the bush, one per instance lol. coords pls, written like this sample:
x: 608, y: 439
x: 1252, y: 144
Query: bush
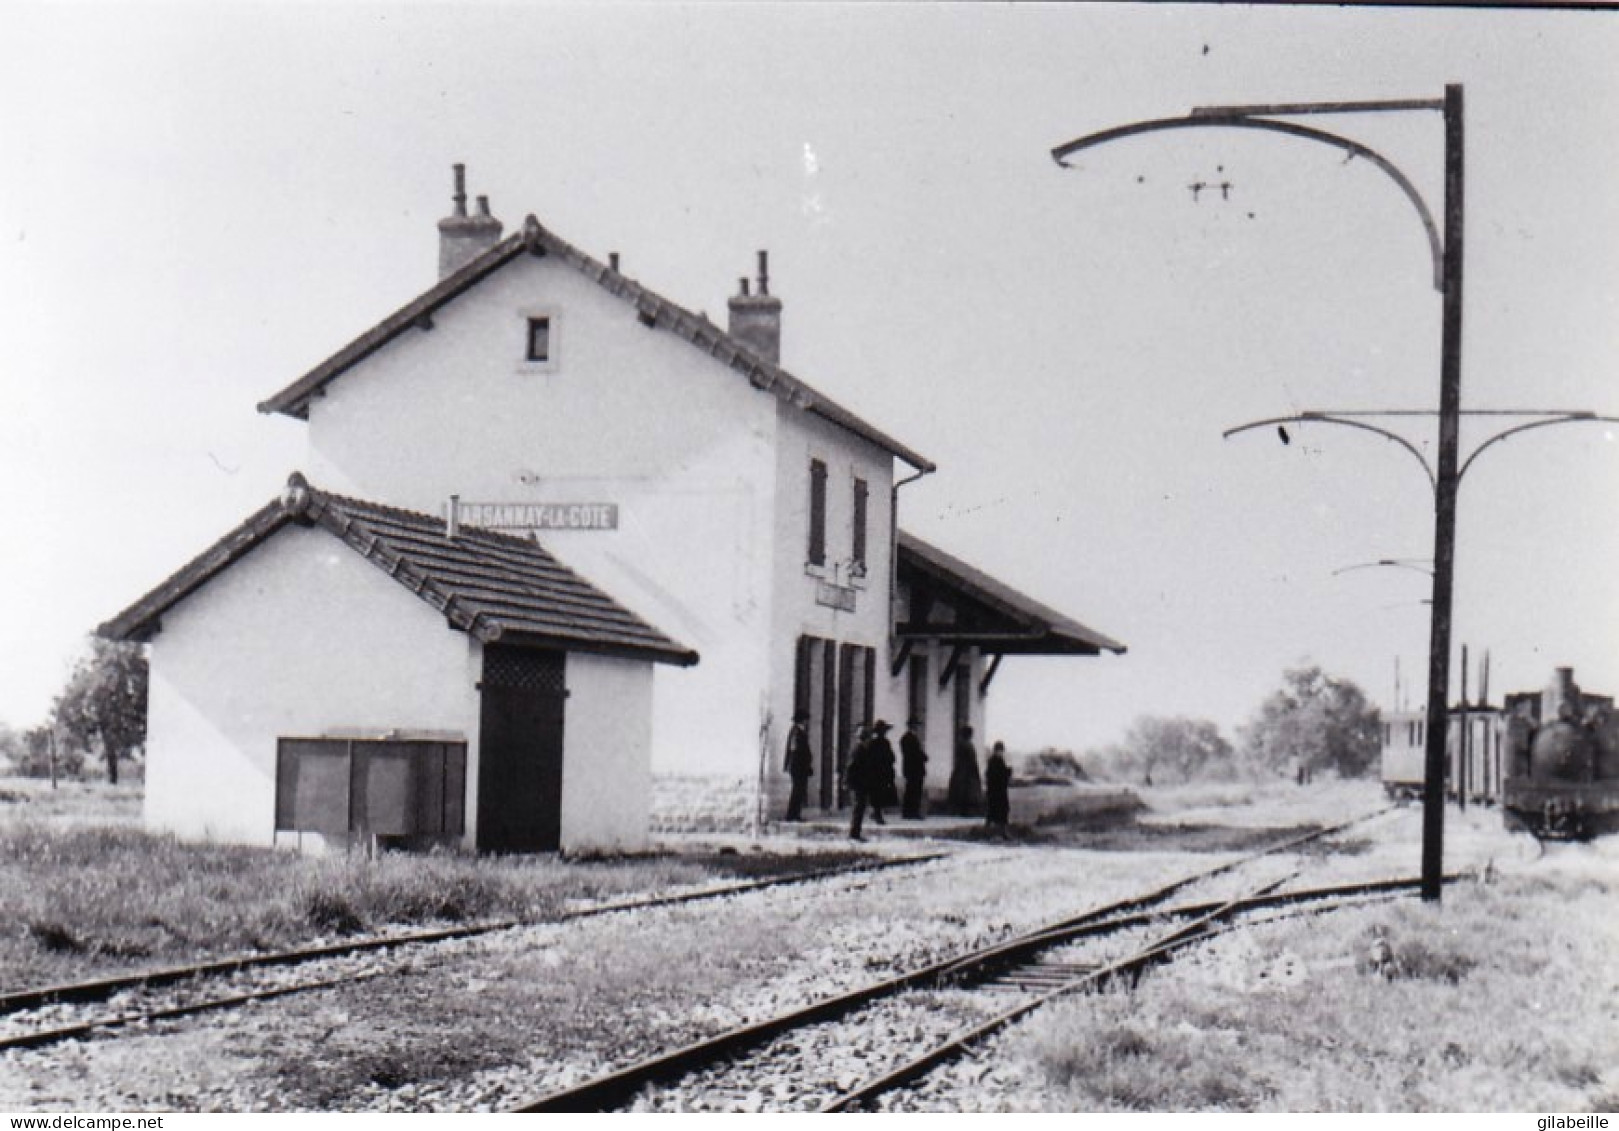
x: 1054, y: 764
x: 31, y: 755
x: 1119, y: 1055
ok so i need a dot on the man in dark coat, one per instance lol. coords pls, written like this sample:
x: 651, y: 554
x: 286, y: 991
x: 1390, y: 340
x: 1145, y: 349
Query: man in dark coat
x: 800, y: 765
x: 883, y: 792
x: 858, y: 778
x: 914, y: 761
x: 997, y: 777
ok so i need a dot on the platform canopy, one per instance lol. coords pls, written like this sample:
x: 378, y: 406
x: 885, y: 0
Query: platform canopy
x: 955, y: 604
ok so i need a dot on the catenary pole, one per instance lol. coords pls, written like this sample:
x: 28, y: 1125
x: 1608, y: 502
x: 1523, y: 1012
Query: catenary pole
x: 1446, y: 482
x: 1447, y: 253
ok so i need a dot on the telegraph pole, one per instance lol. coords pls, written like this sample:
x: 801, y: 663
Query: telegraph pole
x: 1446, y: 480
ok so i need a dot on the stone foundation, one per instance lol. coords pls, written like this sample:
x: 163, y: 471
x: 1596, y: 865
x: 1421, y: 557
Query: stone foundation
x: 684, y: 803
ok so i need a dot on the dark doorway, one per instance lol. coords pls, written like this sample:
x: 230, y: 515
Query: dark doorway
x: 815, y: 692
x: 520, y: 750
x: 857, y: 675
x: 824, y: 720
x: 964, y: 693
x: 919, y: 691
x: 836, y: 684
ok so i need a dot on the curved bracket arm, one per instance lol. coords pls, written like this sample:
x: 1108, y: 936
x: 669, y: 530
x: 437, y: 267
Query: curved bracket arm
x: 1571, y: 418
x: 1397, y: 563
x: 1354, y: 148
x: 1317, y: 418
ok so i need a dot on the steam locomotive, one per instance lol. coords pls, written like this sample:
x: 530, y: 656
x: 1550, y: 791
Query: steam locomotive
x: 1549, y: 759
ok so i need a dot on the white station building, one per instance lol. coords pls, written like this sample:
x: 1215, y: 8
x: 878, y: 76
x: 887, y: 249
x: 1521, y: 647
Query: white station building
x: 582, y: 479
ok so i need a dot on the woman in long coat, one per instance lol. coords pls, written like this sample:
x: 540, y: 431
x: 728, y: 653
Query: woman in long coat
x: 966, y: 798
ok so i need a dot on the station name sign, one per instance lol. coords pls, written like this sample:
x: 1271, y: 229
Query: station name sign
x: 539, y: 516
x: 835, y: 596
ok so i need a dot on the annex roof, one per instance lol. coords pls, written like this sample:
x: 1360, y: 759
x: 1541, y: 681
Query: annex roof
x: 652, y: 309
x: 986, y: 613
x: 492, y: 586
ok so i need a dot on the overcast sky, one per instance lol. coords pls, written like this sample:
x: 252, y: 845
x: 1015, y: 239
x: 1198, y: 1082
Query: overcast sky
x: 197, y: 204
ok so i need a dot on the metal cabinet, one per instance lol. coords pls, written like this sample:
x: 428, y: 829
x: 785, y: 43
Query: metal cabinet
x: 403, y: 792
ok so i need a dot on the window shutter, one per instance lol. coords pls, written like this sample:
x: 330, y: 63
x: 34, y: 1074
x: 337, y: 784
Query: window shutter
x: 817, y: 530
x: 801, y: 676
x: 860, y: 492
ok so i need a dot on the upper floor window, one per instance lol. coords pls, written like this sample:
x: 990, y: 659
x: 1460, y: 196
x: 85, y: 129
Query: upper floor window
x: 539, y: 338
x: 817, y: 517
x: 857, y: 562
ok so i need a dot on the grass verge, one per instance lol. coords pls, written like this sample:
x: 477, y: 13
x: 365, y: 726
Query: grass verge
x: 80, y: 901
x: 1501, y: 999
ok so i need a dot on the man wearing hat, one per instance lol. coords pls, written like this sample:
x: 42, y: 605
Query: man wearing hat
x: 869, y: 776
x: 857, y: 779
x: 800, y: 764
x: 883, y: 791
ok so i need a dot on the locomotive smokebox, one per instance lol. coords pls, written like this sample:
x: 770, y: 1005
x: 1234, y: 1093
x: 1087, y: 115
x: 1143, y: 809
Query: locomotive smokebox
x: 1563, y: 752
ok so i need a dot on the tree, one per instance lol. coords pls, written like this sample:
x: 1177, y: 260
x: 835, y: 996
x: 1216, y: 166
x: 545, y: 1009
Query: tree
x: 1159, y: 751
x: 104, y: 703
x: 1314, y: 722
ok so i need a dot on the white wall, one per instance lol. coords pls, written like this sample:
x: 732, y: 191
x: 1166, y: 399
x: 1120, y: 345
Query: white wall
x: 625, y: 415
x: 607, y: 745
x: 802, y: 438
x: 299, y: 638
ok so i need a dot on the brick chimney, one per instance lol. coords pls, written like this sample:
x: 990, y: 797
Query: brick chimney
x: 462, y: 238
x: 756, y: 318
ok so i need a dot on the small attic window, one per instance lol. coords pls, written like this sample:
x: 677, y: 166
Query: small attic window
x: 539, y: 339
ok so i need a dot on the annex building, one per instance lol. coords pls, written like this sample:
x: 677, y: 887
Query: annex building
x: 651, y: 544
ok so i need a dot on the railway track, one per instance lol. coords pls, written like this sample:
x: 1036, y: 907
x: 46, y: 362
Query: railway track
x: 1008, y: 960
x: 692, y: 1077
x: 211, y: 978
x: 105, y: 989
x: 1038, y: 982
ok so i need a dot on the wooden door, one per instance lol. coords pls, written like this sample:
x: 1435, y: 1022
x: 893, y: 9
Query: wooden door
x: 824, y: 718
x: 520, y: 750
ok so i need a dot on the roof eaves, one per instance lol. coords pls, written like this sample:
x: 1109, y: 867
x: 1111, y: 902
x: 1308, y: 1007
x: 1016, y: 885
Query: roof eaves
x: 353, y: 523
x: 682, y: 657
x: 637, y: 638
x: 1000, y: 596
x: 652, y: 308
x: 698, y: 331
x: 294, y: 399
x: 140, y: 620
x: 371, y: 546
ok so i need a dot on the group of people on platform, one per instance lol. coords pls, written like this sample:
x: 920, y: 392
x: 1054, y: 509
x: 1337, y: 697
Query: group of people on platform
x: 870, y: 777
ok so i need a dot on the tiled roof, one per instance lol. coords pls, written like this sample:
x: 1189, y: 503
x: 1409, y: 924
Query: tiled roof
x: 490, y: 585
x: 653, y: 309
x: 1015, y: 624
